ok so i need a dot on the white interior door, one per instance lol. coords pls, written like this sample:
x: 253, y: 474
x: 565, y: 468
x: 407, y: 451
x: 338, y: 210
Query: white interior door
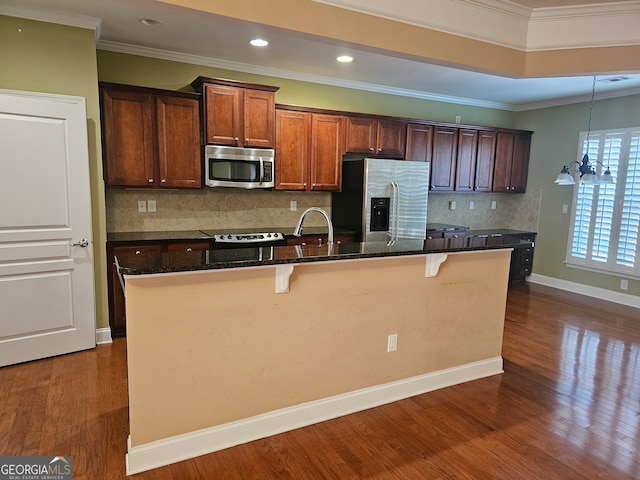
x: 47, y: 304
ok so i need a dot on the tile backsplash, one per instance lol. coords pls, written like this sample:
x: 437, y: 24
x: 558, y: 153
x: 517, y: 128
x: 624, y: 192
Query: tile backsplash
x: 236, y: 208
x: 210, y: 209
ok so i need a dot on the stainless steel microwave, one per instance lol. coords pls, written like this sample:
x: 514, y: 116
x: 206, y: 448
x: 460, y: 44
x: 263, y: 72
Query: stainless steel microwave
x: 239, y: 167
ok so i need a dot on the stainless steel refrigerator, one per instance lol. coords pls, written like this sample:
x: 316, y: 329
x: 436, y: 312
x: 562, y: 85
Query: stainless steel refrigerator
x: 382, y: 200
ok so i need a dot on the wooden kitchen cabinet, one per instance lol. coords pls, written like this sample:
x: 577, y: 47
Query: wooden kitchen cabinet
x: 236, y: 113
x: 485, y: 159
x: 443, y: 161
x: 445, y: 239
x: 466, y: 160
x: 475, y: 160
x: 419, y: 142
x: 379, y: 137
x: 117, y: 314
x: 522, y: 259
x: 511, y: 161
x: 151, y: 138
x: 309, y: 149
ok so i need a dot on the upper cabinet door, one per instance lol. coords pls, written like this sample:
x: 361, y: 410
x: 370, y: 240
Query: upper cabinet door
x: 485, y: 160
x: 391, y: 138
x: 179, y: 158
x: 443, y: 163
x: 520, y: 168
x: 127, y: 129
x: 327, y: 148
x: 222, y: 118
x: 293, y: 144
x: 466, y: 160
x: 361, y: 135
x: 259, y: 115
x: 419, y: 142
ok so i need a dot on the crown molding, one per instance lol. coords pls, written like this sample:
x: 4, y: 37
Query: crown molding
x: 51, y: 16
x: 291, y: 75
x: 576, y: 99
x: 492, y: 21
x: 585, y: 26
x: 507, y: 24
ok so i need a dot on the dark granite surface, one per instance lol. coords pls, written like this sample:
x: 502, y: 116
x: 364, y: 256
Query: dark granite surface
x: 444, y: 227
x: 493, y: 232
x: 125, y: 237
x: 148, y: 263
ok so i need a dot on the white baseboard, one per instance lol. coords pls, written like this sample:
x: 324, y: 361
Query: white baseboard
x: 597, y: 292
x: 193, y: 444
x: 103, y: 335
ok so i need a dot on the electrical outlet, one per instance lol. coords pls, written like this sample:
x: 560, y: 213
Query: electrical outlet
x: 452, y: 205
x: 493, y: 205
x: 392, y: 343
x: 472, y: 205
x: 457, y: 118
x: 293, y: 205
x: 565, y: 208
x: 142, y: 206
x: 151, y: 206
x: 624, y: 284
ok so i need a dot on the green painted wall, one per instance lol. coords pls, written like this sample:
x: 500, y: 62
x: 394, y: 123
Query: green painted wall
x: 157, y: 73
x: 46, y: 57
x: 555, y: 143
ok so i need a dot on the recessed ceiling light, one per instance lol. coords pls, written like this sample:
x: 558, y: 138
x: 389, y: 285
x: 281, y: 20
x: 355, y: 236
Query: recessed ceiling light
x: 258, y: 42
x: 344, y: 59
x: 150, y: 22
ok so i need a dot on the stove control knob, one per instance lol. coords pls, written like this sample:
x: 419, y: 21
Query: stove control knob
x: 229, y: 237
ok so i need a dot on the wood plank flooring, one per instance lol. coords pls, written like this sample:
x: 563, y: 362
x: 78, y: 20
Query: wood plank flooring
x: 567, y: 407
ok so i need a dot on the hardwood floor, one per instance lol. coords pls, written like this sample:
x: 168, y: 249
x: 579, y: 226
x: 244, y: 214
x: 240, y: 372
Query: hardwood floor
x: 567, y: 407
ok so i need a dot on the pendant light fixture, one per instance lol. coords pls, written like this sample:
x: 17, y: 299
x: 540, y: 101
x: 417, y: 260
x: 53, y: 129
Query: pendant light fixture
x: 585, y: 167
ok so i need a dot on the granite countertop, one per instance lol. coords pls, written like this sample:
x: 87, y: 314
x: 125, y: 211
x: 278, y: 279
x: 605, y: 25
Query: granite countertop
x: 124, y: 237
x: 148, y: 263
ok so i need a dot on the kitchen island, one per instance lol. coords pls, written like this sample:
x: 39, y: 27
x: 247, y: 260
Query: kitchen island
x: 225, y: 347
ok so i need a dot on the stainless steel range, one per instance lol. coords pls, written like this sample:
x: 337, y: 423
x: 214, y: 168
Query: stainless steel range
x: 246, y: 240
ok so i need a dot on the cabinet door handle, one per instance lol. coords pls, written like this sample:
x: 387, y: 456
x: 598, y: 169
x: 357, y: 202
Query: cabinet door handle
x: 371, y: 149
x: 189, y: 249
x: 379, y: 150
x: 138, y: 252
x: 246, y: 140
x: 150, y: 180
x: 163, y: 181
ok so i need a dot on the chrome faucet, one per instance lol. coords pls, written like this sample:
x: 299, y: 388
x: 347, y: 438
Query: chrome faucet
x: 298, y: 231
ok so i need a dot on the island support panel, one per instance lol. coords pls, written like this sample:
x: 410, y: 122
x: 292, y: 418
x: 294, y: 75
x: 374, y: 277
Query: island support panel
x: 217, y: 358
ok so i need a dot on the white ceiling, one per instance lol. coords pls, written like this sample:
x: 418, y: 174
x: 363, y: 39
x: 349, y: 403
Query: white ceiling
x: 206, y: 39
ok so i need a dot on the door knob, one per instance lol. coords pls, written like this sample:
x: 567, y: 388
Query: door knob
x: 82, y: 243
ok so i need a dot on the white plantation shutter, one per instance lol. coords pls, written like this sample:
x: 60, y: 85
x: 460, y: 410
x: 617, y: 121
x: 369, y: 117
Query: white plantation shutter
x: 606, y: 217
x: 630, y: 216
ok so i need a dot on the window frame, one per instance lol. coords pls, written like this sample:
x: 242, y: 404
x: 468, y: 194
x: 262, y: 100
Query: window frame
x: 597, y: 146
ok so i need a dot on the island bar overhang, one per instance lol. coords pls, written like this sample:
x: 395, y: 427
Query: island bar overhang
x: 217, y: 358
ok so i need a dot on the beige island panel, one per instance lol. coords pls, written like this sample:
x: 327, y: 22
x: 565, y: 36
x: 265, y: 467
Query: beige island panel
x: 210, y: 348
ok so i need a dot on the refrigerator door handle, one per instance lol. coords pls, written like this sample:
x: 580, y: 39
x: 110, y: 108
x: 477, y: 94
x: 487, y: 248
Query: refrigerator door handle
x: 395, y: 211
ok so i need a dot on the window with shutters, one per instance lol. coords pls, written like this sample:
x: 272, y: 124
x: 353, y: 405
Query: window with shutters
x: 605, y: 219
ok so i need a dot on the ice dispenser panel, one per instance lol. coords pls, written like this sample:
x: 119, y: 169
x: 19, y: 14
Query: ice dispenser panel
x: 380, y: 214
